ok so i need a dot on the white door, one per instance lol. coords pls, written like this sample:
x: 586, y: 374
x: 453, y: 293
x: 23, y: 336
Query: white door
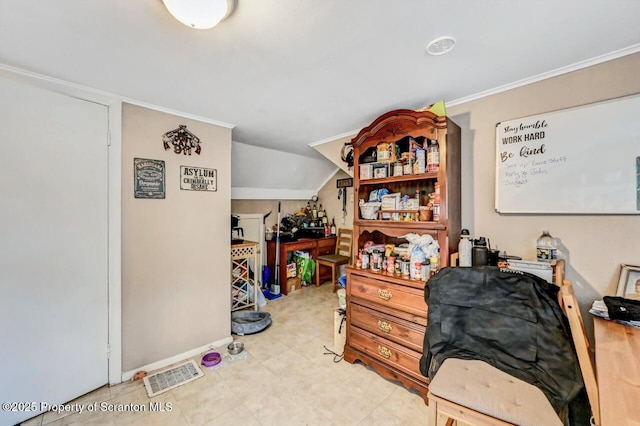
x: 53, y: 247
x: 253, y: 230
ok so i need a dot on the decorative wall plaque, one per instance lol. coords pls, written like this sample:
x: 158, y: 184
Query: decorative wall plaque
x: 344, y: 183
x: 148, y: 178
x: 183, y: 141
x: 198, y: 179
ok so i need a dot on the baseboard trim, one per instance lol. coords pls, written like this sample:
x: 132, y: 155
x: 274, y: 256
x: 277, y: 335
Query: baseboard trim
x: 128, y: 375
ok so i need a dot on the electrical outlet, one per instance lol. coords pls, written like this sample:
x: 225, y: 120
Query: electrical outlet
x: 351, y: 197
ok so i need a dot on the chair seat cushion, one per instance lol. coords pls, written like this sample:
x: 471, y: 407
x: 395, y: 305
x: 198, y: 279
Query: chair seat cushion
x: 488, y: 390
x: 333, y: 258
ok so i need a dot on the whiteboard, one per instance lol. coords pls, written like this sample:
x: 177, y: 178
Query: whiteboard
x: 583, y: 160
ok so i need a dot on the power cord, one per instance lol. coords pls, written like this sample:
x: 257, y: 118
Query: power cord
x: 336, y: 357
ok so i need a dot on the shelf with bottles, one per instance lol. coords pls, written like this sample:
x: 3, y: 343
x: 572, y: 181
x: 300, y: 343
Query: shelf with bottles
x: 397, y: 160
x: 392, y: 277
x: 402, y: 178
x: 406, y: 215
x: 385, y: 255
x: 411, y: 201
x: 390, y: 235
x: 370, y: 224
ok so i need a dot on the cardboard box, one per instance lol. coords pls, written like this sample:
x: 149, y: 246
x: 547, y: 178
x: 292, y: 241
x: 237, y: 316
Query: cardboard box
x: 384, y: 151
x: 293, y: 284
x: 380, y: 172
x: 292, y: 270
x: 366, y: 171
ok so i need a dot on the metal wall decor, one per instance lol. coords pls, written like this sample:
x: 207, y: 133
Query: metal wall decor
x: 183, y: 141
x: 148, y: 178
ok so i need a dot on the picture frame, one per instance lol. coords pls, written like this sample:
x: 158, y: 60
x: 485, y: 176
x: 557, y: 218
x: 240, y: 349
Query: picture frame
x: 629, y: 282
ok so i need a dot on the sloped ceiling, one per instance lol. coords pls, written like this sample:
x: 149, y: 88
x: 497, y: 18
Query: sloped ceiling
x: 290, y: 73
x: 262, y: 173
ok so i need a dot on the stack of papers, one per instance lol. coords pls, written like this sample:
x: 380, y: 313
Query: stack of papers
x: 599, y: 309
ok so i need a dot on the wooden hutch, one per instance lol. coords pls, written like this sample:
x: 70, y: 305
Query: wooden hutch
x: 386, y: 312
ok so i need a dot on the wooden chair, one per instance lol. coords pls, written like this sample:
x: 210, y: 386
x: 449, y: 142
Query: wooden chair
x: 476, y: 393
x: 342, y: 256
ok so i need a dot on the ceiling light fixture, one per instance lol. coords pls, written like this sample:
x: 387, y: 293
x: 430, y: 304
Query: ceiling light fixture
x: 441, y: 45
x: 200, y: 14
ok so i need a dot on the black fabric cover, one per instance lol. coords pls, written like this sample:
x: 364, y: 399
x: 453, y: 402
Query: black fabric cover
x: 622, y: 309
x: 509, y: 319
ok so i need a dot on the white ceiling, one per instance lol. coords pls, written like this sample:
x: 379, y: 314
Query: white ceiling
x: 288, y: 73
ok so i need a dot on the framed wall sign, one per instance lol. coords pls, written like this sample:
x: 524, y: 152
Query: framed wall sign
x: 198, y: 179
x: 344, y: 183
x: 148, y: 178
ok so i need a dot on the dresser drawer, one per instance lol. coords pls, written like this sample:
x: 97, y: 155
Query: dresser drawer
x: 327, y: 243
x: 387, y: 326
x: 388, y: 294
x: 326, y: 250
x: 386, y: 351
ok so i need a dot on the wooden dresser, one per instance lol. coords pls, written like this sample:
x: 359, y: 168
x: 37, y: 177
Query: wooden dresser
x: 387, y: 318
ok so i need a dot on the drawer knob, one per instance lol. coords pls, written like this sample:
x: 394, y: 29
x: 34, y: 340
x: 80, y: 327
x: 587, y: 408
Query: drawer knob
x: 384, y: 326
x: 385, y: 352
x: 384, y: 294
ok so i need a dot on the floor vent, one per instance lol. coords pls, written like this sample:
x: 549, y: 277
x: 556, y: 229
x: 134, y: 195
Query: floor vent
x: 173, y: 377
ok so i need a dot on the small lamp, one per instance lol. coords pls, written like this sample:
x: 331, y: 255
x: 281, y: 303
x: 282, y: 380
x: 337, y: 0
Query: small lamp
x: 200, y: 14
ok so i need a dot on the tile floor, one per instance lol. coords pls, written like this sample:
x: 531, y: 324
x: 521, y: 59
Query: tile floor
x: 286, y: 379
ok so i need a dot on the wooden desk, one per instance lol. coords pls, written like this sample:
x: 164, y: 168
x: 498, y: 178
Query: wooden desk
x: 618, y: 369
x: 315, y: 247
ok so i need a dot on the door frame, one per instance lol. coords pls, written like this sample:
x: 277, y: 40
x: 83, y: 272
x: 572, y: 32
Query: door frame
x: 114, y: 203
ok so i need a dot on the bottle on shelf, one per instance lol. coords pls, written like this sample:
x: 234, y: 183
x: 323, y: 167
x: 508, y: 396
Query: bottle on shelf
x: 320, y: 211
x: 325, y: 219
x: 314, y: 211
x: 464, y: 249
x: 365, y: 260
x: 480, y: 252
x: 397, y: 168
x: 546, y: 248
x: 333, y: 226
x: 433, y: 157
x: 376, y: 261
x: 434, y: 265
x: 425, y: 272
x: 419, y: 166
